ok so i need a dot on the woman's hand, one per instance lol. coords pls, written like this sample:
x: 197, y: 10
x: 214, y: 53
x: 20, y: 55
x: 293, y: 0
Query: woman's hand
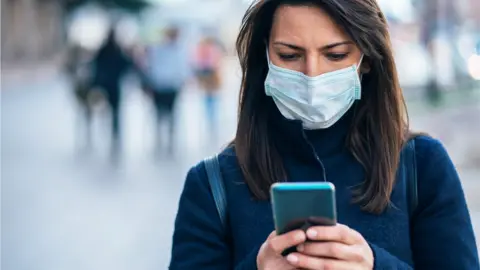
x: 339, y: 248
x: 270, y: 255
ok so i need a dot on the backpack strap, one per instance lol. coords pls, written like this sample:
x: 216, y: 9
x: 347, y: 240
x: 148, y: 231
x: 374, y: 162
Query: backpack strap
x: 409, y: 172
x: 217, y: 186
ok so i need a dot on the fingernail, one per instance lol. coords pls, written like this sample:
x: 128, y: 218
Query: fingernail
x: 312, y: 233
x: 300, y: 248
x: 300, y: 236
x: 292, y: 258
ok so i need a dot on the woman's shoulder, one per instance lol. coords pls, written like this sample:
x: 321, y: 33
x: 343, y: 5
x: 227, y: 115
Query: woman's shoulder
x: 197, y: 184
x: 429, y: 149
x: 435, y: 169
x: 227, y: 161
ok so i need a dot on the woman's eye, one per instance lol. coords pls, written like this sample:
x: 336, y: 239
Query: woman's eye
x: 288, y: 57
x: 336, y: 56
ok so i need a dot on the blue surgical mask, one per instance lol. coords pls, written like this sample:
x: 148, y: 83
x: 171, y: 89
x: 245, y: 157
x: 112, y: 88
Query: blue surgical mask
x: 320, y: 101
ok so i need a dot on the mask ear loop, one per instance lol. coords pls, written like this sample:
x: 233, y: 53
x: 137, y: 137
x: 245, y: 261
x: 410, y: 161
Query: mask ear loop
x: 266, y: 49
x: 268, y: 58
x: 360, y: 62
x: 360, y: 77
x: 267, y: 91
x: 360, y: 74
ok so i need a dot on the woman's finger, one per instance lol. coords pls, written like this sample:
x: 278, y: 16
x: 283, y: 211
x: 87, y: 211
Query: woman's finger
x: 338, y: 233
x: 279, y: 243
x: 313, y: 263
x: 333, y: 250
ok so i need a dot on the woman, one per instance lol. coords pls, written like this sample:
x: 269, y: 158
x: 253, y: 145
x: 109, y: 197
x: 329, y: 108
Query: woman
x: 325, y: 105
x: 208, y: 57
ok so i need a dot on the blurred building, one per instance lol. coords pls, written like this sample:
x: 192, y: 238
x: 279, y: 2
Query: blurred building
x: 37, y: 30
x: 31, y: 29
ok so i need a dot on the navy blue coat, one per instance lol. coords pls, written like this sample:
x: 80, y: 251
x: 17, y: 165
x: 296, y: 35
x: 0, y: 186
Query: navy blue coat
x: 439, y: 235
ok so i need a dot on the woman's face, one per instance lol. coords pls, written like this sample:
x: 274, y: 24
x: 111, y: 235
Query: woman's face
x: 307, y: 40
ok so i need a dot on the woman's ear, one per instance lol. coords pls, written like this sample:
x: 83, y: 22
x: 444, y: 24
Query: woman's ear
x: 365, y: 66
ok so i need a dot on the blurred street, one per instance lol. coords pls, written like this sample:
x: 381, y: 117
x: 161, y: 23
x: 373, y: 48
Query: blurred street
x: 66, y: 208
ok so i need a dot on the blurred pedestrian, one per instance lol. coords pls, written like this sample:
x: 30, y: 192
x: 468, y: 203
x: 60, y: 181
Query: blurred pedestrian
x: 208, y: 57
x: 167, y: 70
x: 438, y: 18
x: 110, y: 65
x: 320, y: 101
x: 78, y: 68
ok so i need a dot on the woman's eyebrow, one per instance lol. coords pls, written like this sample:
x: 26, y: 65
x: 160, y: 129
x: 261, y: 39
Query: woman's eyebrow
x: 326, y: 47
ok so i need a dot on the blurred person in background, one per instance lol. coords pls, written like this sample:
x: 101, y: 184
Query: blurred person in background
x: 110, y: 64
x: 166, y: 73
x: 438, y: 18
x: 208, y: 57
x: 320, y: 101
x: 78, y: 67
x: 140, y: 60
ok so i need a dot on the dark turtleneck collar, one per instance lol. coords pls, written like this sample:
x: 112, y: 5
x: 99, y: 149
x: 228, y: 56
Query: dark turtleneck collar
x: 292, y: 139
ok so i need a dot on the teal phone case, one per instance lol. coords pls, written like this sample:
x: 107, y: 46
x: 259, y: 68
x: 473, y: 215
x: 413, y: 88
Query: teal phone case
x: 302, y: 205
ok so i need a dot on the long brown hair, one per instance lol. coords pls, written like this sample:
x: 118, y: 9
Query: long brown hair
x: 379, y: 127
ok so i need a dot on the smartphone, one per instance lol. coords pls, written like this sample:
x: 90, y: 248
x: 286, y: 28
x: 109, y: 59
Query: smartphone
x: 302, y: 205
